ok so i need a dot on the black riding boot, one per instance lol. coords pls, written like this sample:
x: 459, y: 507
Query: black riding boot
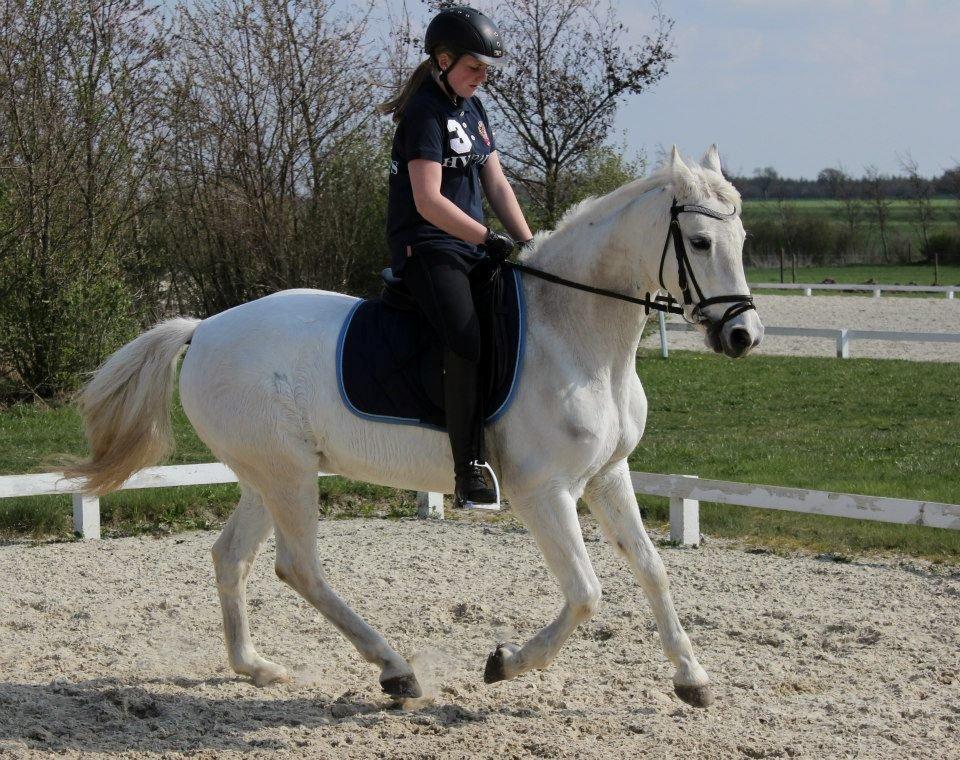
x: 461, y: 402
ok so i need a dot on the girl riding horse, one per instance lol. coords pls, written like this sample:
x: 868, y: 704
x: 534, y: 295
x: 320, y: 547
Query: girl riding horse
x: 440, y: 245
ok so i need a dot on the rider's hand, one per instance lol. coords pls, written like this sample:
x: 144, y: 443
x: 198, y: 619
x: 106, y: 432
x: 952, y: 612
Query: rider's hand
x: 498, y: 246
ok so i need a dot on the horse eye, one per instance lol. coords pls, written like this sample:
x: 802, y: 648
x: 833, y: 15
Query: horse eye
x: 700, y: 243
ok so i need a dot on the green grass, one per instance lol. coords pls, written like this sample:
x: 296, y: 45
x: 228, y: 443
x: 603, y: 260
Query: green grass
x: 888, y: 274
x: 878, y: 427
x: 901, y: 214
x: 34, y: 437
x: 885, y: 428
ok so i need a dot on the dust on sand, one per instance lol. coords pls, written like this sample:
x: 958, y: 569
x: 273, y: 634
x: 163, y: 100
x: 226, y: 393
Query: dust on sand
x: 114, y: 647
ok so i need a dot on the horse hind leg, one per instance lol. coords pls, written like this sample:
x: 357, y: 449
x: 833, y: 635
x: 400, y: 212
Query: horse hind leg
x: 233, y: 556
x: 292, y: 503
x: 611, y: 499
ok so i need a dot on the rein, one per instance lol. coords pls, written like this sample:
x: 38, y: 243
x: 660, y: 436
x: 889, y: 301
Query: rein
x: 667, y: 303
x: 659, y: 303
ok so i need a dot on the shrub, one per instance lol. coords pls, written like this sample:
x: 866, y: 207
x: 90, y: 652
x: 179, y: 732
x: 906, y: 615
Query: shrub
x: 945, y: 245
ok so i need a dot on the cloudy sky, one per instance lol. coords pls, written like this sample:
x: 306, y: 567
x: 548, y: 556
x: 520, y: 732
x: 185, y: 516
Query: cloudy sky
x: 803, y: 84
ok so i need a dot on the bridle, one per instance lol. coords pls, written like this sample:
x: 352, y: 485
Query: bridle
x: 685, y: 276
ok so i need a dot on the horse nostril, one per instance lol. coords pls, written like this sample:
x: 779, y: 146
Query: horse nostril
x: 740, y: 339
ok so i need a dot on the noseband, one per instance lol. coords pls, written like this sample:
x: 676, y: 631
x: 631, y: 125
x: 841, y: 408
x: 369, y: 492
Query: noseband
x: 685, y: 276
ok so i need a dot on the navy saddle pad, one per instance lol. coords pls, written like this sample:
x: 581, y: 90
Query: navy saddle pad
x: 390, y: 361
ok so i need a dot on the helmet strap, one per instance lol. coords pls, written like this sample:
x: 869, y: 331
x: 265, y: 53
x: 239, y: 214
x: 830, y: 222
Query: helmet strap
x: 443, y: 76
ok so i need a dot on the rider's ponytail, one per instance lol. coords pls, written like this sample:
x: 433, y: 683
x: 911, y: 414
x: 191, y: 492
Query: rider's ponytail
x: 397, y: 103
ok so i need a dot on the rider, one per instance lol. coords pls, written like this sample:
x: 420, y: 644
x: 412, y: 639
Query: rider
x: 443, y: 151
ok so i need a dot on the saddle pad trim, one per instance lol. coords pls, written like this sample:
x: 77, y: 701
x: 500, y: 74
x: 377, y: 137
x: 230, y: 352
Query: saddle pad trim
x: 501, y: 410
x: 522, y: 327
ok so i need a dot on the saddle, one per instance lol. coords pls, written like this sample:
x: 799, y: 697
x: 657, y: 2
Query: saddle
x: 390, y: 359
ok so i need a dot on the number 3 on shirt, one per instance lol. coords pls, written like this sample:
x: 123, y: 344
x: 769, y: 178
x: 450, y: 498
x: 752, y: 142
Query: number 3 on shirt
x: 459, y: 140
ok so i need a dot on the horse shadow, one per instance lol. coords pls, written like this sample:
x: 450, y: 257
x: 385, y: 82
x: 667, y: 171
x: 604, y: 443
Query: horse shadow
x: 108, y: 715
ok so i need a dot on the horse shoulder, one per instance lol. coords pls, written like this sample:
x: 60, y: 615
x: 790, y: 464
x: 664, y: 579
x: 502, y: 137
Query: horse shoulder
x: 633, y: 415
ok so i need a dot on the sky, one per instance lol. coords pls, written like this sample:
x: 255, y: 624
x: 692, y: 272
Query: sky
x: 801, y: 85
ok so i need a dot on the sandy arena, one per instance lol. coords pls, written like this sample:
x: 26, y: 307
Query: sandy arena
x: 115, y: 647
x: 895, y: 313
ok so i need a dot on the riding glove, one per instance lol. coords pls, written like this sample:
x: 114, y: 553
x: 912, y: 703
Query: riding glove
x: 498, y: 246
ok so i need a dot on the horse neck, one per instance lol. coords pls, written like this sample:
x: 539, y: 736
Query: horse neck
x: 604, y: 331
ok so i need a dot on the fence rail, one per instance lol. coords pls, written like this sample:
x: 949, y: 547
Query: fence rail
x: 876, y: 289
x: 684, y: 491
x: 843, y: 336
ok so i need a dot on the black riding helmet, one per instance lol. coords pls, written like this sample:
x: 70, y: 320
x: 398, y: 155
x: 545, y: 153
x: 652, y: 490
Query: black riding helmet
x: 463, y: 31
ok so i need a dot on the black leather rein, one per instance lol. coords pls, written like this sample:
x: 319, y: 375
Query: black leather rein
x: 660, y: 303
x: 739, y: 303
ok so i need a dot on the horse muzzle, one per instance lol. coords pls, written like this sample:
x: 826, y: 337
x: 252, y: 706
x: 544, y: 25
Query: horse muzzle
x: 736, y: 336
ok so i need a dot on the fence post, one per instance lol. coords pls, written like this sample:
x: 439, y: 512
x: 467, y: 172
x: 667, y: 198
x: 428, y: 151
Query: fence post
x: 843, y: 344
x: 876, y: 293
x: 950, y: 294
x: 664, y: 351
x: 430, y: 504
x: 685, y: 520
x: 808, y: 291
x: 86, y: 515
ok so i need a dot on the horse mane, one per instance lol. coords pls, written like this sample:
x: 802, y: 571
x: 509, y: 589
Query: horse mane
x: 706, y: 184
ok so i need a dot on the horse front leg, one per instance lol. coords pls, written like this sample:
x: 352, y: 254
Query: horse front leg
x: 552, y: 519
x: 611, y: 499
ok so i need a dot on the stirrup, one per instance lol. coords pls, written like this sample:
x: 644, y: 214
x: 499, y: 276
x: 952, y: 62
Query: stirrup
x: 493, y: 507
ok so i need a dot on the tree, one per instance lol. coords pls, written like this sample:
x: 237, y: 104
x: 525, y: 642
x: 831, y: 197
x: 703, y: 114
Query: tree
x: 557, y: 97
x: 765, y: 177
x: 264, y: 99
x: 832, y: 179
x: 876, y: 195
x: 78, y: 98
x: 920, y: 191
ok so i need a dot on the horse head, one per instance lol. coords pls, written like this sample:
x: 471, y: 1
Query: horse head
x: 701, y: 261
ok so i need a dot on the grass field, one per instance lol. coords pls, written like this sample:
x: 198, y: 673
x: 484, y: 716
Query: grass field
x: 902, y: 213
x: 888, y: 274
x: 884, y: 428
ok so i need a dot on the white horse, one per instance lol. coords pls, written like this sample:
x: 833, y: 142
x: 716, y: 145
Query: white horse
x: 258, y: 383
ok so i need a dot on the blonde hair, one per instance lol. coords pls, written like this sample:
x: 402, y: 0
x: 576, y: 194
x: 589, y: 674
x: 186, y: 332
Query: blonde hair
x: 398, y: 102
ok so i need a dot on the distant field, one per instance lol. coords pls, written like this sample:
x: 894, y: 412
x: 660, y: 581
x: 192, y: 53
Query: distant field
x: 889, y: 274
x: 946, y: 211
x: 902, y: 228
x: 885, y: 428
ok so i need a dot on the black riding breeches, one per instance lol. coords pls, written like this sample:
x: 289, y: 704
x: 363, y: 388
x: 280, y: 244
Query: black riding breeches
x: 441, y: 284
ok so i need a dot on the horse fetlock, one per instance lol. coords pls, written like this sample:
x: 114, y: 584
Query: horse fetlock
x: 502, y: 664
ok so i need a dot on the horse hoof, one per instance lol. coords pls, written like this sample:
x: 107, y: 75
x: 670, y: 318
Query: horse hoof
x: 402, y: 687
x: 494, y: 670
x: 268, y: 673
x: 696, y: 696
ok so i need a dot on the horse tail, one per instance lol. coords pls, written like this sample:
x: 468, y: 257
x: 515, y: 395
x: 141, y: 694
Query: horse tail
x: 126, y: 407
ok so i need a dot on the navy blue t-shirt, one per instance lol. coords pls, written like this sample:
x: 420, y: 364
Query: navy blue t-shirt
x: 458, y: 137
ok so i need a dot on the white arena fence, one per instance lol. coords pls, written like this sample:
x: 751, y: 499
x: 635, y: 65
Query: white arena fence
x: 843, y: 336
x: 877, y: 290
x: 685, y: 492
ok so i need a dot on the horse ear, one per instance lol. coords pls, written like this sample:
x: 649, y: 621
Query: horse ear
x: 711, y: 160
x: 682, y: 176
